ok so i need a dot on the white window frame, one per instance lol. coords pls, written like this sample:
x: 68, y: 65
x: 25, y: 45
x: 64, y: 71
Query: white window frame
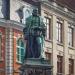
x: 59, y: 31
x: 19, y: 61
x: 70, y: 36
x: 48, y: 26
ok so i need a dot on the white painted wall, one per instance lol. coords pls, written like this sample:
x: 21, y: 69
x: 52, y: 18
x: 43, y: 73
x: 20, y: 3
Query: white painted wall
x: 2, y: 8
x: 15, y: 5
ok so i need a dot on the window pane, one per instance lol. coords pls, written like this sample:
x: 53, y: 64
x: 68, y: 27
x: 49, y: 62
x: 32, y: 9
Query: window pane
x: 59, y: 31
x: 70, y: 36
x: 18, y: 58
x: 20, y: 50
x: 59, y: 64
x: 22, y: 44
x: 47, y: 22
x: 48, y: 56
x: 18, y: 43
x: 71, y: 66
x: 22, y: 59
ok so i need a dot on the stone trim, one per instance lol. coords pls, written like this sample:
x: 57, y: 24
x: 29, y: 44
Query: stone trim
x: 9, y: 52
x: 11, y: 24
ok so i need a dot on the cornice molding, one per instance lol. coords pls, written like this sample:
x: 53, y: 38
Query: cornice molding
x: 59, y: 10
x: 11, y: 24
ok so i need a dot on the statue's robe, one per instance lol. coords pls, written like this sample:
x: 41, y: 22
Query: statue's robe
x: 34, y: 43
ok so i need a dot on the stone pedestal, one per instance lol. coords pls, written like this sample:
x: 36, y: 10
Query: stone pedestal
x: 35, y: 66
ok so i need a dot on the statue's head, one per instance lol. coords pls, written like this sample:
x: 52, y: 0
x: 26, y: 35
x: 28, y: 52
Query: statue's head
x: 35, y: 12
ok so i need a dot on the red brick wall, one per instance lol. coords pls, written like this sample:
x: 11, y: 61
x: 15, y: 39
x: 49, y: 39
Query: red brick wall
x: 2, y: 63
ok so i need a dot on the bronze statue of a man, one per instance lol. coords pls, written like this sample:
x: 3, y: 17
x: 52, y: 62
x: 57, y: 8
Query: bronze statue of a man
x: 34, y: 33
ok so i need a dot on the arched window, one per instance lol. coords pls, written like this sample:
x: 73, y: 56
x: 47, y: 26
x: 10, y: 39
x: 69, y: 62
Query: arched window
x: 20, y: 50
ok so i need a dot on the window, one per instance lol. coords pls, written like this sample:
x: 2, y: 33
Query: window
x: 20, y: 50
x: 71, y: 67
x: 59, y: 31
x: 70, y: 36
x: 59, y: 65
x: 48, y: 55
x: 47, y: 22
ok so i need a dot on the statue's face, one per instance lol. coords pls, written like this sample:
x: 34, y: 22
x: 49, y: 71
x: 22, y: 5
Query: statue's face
x: 35, y: 12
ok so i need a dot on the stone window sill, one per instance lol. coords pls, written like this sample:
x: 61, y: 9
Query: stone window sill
x: 58, y: 43
x: 48, y: 40
x: 73, y: 48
